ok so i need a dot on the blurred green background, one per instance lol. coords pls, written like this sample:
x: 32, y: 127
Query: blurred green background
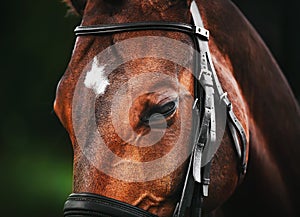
x: 36, y: 155
x: 36, y: 44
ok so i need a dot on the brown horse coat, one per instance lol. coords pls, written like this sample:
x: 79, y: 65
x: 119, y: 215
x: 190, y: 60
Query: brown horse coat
x: 260, y: 95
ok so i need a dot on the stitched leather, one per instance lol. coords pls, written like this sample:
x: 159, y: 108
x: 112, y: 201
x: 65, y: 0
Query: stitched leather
x: 87, y: 204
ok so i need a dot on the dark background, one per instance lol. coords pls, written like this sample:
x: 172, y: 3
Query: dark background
x: 36, y: 43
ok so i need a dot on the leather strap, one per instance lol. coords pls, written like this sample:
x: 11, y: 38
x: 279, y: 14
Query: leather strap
x: 210, y: 82
x: 86, y: 204
x: 235, y: 126
x: 127, y: 27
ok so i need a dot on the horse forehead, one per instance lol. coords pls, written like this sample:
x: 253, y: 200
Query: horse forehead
x: 99, y: 12
x: 116, y: 6
x: 97, y: 76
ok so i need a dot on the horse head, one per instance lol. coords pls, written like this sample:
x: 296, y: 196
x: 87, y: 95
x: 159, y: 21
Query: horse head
x: 127, y: 100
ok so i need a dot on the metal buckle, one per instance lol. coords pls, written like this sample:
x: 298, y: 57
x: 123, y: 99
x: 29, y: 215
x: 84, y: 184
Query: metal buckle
x: 205, y: 78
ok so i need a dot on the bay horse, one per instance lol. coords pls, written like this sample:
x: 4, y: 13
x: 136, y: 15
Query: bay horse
x: 127, y: 103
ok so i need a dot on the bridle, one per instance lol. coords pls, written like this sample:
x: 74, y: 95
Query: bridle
x: 197, y: 177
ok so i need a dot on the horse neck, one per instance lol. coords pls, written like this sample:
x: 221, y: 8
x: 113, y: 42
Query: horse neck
x: 273, y: 112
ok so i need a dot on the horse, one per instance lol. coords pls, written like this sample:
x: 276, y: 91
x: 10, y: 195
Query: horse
x: 123, y: 90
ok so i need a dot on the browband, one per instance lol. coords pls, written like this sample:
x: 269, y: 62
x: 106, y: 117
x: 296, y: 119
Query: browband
x: 129, y: 27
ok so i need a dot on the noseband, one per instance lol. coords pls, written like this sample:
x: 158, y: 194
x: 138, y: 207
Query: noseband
x: 197, y: 177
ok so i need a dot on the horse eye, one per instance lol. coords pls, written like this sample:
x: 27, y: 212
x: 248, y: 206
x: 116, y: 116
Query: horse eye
x: 165, y: 110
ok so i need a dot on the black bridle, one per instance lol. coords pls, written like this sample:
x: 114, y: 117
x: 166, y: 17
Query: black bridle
x: 197, y: 177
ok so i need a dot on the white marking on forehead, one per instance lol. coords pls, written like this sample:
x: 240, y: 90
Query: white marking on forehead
x: 96, y: 78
